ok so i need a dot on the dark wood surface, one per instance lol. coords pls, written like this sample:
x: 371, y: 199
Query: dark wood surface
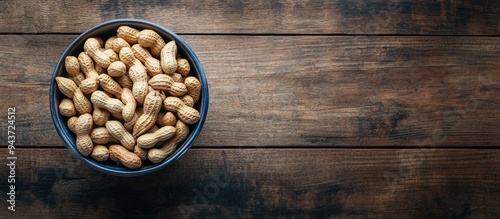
x: 318, y: 109
x: 269, y: 183
x: 308, y: 91
x: 450, y: 17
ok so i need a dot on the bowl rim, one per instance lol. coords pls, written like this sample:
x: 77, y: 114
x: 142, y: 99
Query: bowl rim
x: 63, y: 131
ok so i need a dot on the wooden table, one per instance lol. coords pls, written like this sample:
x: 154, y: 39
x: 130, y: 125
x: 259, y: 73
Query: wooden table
x: 318, y: 109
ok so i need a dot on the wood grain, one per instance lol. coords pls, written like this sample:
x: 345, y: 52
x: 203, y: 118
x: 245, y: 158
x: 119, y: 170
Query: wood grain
x: 318, y: 109
x: 347, y: 91
x: 258, y: 183
x: 450, y: 17
x: 25, y: 72
x: 306, y: 91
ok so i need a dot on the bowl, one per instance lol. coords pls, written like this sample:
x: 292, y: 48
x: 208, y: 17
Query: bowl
x: 106, y: 30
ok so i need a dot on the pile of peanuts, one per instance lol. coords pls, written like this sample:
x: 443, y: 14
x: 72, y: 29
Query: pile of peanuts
x: 129, y: 98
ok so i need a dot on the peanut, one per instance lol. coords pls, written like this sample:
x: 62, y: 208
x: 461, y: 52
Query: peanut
x: 102, y: 100
x: 140, y: 78
x: 151, y: 39
x: 162, y: 94
x: 125, y: 81
x: 127, y: 158
x: 90, y: 84
x: 129, y: 34
x: 92, y: 48
x: 110, y: 85
x: 168, y: 58
x: 82, y: 104
x: 72, y: 66
x: 78, y: 78
x: 109, y: 43
x: 183, y: 66
x: 99, y: 69
x: 127, y: 57
x: 149, y: 140
x: 177, y: 77
x: 83, y: 127
x: 185, y: 113
x: 152, y: 65
x: 156, y: 155
x: 100, y: 116
x: 67, y: 108
x: 72, y: 123
x: 193, y: 86
x: 66, y: 86
x: 166, y: 83
x: 117, y: 130
x: 114, y: 158
x: 117, y: 69
x: 151, y: 108
x: 113, y: 56
x: 129, y: 125
x: 118, y: 44
x: 100, y: 135
x: 166, y: 119
x: 188, y: 100
x: 128, y: 99
x: 100, y: 153
x: 141, y: 152
x: 87, y: 65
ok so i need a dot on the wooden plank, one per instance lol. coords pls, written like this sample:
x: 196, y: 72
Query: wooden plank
x: 451, y: 17
x: 352, y: 91
x: 25, y: 72
x: 305, y: 90
x: 260, y: 183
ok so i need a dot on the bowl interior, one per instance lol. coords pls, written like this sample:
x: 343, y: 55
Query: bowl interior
x: 106, y: 30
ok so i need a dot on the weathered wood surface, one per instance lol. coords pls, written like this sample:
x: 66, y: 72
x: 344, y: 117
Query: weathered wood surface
x: 448, y: 17
x: 318, y: 109
x: 262, y: 183
x: 304, y: 90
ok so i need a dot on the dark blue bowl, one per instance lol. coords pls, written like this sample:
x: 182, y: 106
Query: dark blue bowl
x: 105, y: 30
